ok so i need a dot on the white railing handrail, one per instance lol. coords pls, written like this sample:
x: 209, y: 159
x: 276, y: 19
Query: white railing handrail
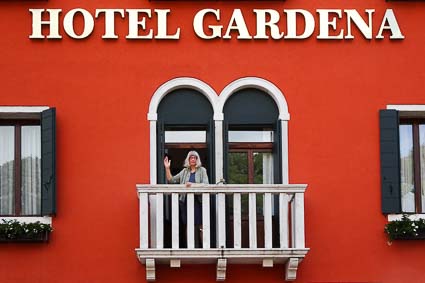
x: 227, y: 189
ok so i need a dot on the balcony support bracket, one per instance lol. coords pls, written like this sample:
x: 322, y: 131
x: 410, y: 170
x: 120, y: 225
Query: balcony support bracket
x: 150, y: 269
x: 175, y: 263
x: 221, y: 269
x: 291, y: 267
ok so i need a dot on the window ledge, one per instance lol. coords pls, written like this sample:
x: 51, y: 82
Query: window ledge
x: 395, y: 217
x: 29, y: 219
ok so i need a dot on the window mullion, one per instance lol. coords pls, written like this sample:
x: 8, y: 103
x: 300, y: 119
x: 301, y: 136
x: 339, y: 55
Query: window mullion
x: 417, y: 171
x: 250, y: 154
x: 17, y: 185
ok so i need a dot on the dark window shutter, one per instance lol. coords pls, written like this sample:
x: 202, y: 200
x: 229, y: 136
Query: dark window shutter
x: 277, y: 153
x: 390, y: 161
x: 160, y: 134
x: 48, y: 162
x: 211, y: 152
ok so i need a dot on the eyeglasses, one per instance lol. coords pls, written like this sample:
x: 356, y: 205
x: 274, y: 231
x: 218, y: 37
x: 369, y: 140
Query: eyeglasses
x: 193, y: 157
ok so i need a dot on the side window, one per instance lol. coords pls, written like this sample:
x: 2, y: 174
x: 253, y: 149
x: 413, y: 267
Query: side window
x: 20, y: 168
x: 402, y: 137
x: 27, y: 165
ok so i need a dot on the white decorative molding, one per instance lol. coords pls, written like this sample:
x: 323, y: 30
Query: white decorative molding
x: 178, y: 83
x: 258, y: 83
x: 407, y: 107
x: 221, y: 269
x: 150, y: 269
x: 211, y: 255
x: 285, y: 152
x: 23, y: 109
x: 291, y: 268
x: 41, y: 219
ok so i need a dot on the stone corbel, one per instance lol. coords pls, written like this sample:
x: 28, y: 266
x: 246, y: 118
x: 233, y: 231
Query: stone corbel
x: 221, y: 269
x: 291, y: 267
x: 150, y: 270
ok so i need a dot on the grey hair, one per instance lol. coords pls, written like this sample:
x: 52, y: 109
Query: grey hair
x: 198, y: 159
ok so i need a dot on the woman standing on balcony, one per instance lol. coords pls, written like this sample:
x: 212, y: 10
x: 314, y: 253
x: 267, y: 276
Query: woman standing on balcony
x: 193, y: 172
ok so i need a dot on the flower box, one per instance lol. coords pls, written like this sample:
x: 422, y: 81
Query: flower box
x: 34, y: 238
x: 406, y: 229
x: 12, y: 231
x: 419, y: 236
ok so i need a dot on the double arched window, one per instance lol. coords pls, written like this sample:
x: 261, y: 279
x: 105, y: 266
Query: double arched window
x: 240, y: 133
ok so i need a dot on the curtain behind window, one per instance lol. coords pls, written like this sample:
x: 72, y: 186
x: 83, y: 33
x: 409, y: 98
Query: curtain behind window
x: 407, y: 169
x: 31, y: 170
x: 7, y: 165
x: 422, y: 153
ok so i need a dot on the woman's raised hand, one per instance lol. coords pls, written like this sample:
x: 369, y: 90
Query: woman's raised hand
x: 167, y: 163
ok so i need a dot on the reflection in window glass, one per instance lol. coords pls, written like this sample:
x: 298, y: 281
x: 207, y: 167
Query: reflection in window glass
x: 185, y: 136
x: 238, y: 168
x: 7, y: 157
x: 422, y: 166
x: 407, y: 169
x: 31, y: 170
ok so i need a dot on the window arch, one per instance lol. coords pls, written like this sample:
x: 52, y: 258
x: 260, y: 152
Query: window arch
x: 270, y: 93
x: 165, y: 89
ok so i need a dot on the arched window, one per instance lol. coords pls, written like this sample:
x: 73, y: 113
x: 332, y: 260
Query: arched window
x: 252, y: 150
x: 185, y: 122
x: 252, y: 138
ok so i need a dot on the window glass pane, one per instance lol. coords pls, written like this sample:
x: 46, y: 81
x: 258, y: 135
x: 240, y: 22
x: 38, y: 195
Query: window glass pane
x: 31, y: 170
x: 406, y: 162
x: 250, y: 136
x: 238, y: 168
x: 422, y: 153
x: 7, y: 163
x: 185, y: 136
x: 263, y: 168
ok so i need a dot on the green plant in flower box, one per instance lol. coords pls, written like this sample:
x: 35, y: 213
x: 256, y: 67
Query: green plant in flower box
x: 405, y: 229
x: 15, y: 230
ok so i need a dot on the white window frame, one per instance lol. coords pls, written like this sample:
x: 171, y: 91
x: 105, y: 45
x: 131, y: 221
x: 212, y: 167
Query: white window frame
x: 19, y: 110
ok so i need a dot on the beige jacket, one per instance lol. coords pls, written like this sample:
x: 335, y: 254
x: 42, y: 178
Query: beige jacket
x: 183, y: 176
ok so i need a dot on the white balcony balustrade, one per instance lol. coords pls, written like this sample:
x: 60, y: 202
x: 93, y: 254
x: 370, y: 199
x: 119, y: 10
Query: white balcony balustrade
x: 281, y: 224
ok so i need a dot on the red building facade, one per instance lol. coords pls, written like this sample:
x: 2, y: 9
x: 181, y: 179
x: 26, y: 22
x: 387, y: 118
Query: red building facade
x: 122, y: 80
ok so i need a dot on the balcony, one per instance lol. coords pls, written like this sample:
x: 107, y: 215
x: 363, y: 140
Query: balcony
x: 280, y: 226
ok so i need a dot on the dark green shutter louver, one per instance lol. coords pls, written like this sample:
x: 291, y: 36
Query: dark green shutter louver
x: 48, y: 162
x: 390, y: 161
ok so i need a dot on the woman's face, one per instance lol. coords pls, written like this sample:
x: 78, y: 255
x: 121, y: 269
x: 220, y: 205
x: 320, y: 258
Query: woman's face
x: 192, y: 160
